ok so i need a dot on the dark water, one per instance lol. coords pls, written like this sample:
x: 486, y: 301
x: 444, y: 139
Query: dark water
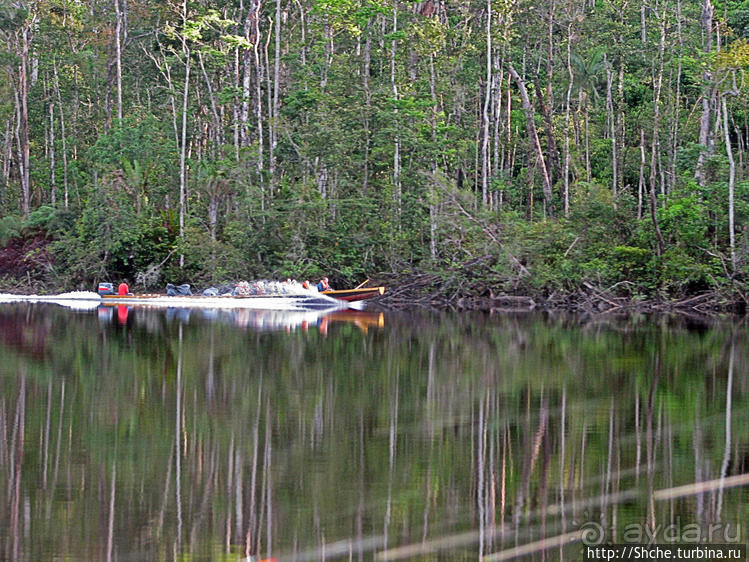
x: 152, y: 435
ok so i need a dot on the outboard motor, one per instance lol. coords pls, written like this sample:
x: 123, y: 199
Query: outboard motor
x: 105, y: 289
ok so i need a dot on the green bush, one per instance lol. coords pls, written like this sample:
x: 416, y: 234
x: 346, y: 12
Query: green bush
x: 682, y: 273
x: 684, y: 221
x: 632, y: 262
x: 10, y: 226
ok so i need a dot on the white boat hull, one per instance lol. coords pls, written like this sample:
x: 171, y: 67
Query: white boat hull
x: 85, y: 299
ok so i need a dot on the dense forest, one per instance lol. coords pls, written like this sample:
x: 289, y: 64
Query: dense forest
x: 530, y: 146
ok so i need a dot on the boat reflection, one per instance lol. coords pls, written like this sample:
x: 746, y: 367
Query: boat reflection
x: 122, y: 312
x: 362, y: 319
x: 256, y: 320
x: 108, y: 314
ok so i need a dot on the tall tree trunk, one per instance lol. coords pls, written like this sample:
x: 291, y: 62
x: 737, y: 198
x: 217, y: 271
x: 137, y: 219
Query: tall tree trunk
x: 183, y: 138
x: 677, y: 102
x: 257, y: 7
x: 237, y: 106
x: 218, y: 129
x: 7, y: 155
x: 546, y: 98
x: 273, y: 122
x: 731, y: 184
x: 367, y: 103
x: 497, y: 121
x: 433, y: 196
x: 118, y: 56
x: 641, y: 182
x: 62, y: 137
x: 396, y: 140
x: 706, y: 138
x: 485, y: 165
x: 328, y: 32
x: 620, y: 121
x: 52, y: 182
x: 612, y: 131
x: 111, y: 76
x: 567, y: 112
x: 586, y: 140
x: 656, y: 145
x: 303, y: 39
x: 249, y: 35
x: 533, y: 138
x: 22, y: 99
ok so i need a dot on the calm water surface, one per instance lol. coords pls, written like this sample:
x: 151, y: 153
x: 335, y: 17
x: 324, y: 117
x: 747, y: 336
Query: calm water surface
x: 161, y: 435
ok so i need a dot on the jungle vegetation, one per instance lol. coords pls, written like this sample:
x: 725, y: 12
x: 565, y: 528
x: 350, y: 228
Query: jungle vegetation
x: 526, y: 146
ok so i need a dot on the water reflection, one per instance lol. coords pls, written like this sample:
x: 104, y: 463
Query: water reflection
x: 432, y: 436
x: 257, y: 320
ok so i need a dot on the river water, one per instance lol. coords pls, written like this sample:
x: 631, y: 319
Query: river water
x: 138, y: 434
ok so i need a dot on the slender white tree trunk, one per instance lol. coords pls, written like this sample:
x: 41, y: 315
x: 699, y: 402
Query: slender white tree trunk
x: 237, y: 109
x: 571, y: 78
x: 23, y: 119
x: 368, y: 103
x: 641, y: 183
x: 656, y: 145
x: 396, y: 140
x: 274, y: 108
x: 533, y: 137
x: 219, y: 133
x: 244, y: 111
x: 52, y: 179
x: 62, y: 138
x: 612, y: 131
x: 433, y: 197
x: 731, y: 183
x: 677, y: 102
x: 183, y: 141
x: 118, y: 56
x: 256, y: 8
x: 708, y: 96
x: 485, y: 165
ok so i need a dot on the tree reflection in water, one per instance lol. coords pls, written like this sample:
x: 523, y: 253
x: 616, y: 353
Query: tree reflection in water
x: 423, y: 435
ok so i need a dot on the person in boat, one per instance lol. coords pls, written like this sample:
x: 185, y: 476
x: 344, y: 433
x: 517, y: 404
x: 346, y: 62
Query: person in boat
x: 323, y: 285
x: 123, y: 289
x: 306, y: 285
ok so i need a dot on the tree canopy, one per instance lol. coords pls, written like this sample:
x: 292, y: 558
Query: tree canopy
x: 600, y: 141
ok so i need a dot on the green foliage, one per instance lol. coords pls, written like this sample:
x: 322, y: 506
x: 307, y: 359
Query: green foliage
x: 207, y: 262
x: 587, y: 72
x: 738, y: 19
x: 683, y: 273
x: 139, y: 139
x: 40, y: 217
x: 632, y: 262
x: 10, y: 226
x: 12, y: 17
x: 111, y: 240
x: 685, y: 219
x: 327, y: 166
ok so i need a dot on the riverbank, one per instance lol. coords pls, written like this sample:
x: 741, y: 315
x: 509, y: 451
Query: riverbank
x: 488, y: 283
x: 430, y: 290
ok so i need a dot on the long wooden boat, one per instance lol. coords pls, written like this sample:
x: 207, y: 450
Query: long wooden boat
x: 306, y: 301
x: 358, y: 294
